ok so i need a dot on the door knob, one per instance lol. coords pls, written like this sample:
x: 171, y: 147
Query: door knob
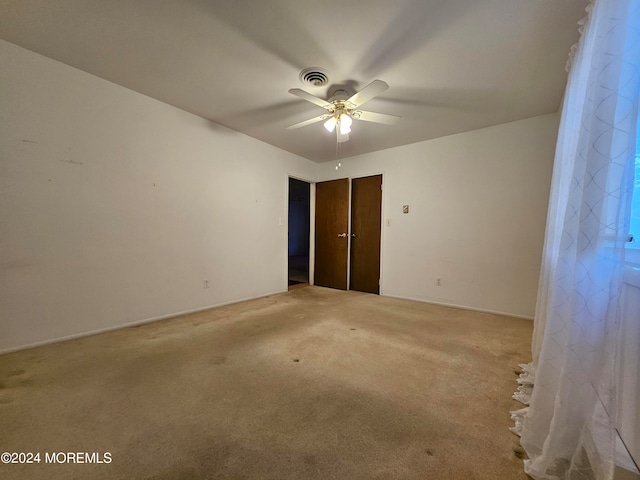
x: 342, y: 235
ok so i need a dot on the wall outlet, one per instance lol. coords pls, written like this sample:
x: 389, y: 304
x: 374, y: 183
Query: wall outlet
x: 388, y: 222
x: 439, y: 282
x: 205, y: 283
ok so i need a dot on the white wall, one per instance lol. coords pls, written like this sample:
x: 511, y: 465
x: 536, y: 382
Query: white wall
x: 115, y: 207
x: 478, y: 203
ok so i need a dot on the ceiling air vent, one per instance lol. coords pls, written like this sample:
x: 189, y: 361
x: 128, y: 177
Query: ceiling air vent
x: 314, y: 76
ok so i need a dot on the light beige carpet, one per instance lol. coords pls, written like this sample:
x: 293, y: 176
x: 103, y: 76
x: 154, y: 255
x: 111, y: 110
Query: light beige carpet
x: 311, y: 384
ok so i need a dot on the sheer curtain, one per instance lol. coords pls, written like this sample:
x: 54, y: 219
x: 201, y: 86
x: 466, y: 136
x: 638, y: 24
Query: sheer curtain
x: 568, y: 430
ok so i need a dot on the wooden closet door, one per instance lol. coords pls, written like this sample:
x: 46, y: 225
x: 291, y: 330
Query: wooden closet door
x: 332, y: 242
x: 366, y: 228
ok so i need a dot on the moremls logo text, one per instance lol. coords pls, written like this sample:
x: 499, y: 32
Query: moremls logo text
x: 56, y: 457
x: 77, y: 457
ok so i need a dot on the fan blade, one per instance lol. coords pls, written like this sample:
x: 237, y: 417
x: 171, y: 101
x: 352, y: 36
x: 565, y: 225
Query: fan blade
x: 310, y: 98
x: 367, y: 93
x: 375, y: 117
x: 319, y: 118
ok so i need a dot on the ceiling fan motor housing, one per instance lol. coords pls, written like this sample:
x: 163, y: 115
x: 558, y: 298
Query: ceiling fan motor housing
x: 339, y: 96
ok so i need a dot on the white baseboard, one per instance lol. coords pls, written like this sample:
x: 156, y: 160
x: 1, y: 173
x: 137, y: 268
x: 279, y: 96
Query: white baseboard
x: 129, y: 324
x: 462, y: 307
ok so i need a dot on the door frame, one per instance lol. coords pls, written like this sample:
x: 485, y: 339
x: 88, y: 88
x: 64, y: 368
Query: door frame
x: 312, y: 227
x: 312, y: 224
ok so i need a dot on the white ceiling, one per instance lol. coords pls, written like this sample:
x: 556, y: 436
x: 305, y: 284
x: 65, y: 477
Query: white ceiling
x: 452, y: 65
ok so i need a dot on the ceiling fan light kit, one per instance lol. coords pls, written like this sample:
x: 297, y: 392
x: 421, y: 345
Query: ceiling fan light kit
x: 343, y: 109
x: 342, y: 120
x: 330, y: 124
x: 345, y: 122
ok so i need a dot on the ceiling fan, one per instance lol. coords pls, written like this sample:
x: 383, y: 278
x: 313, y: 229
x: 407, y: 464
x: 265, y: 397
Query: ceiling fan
x: 342, y: 109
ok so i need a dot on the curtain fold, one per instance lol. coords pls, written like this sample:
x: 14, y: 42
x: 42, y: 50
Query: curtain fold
x: 568, y: 429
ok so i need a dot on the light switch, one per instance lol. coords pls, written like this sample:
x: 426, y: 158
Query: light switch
x: 405, y: 209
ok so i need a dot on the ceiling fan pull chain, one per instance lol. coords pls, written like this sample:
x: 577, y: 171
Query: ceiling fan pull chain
x: 338, y: 164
